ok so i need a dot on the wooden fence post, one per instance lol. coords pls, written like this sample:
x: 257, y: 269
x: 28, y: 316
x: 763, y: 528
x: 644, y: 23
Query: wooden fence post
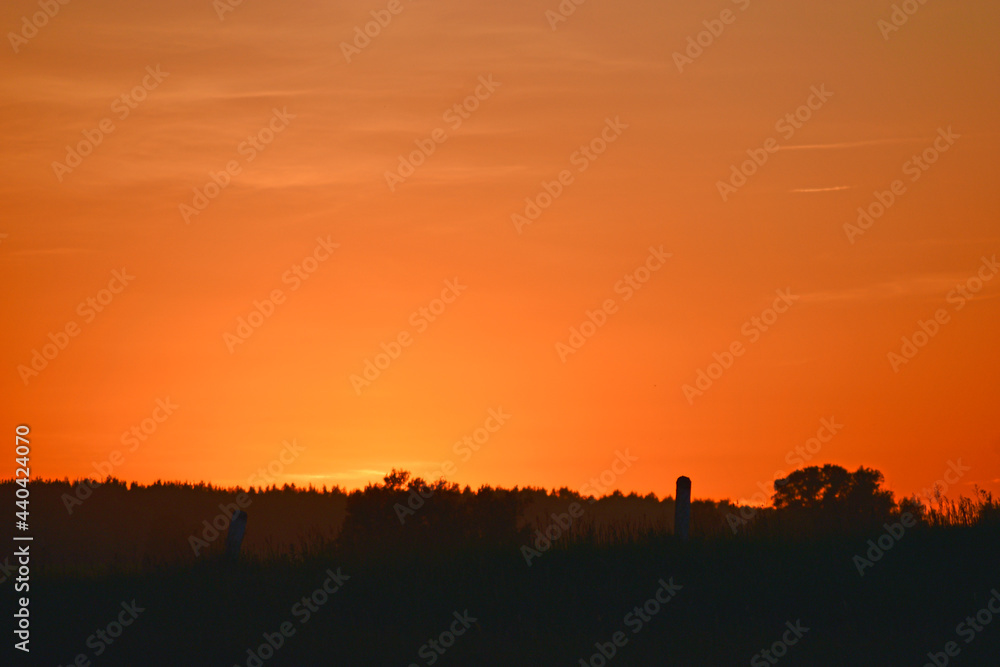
x: 682, y: 508
x: 237, y: 526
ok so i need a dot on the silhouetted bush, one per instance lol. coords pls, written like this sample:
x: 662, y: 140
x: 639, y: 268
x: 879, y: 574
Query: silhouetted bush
x: 407, y: 514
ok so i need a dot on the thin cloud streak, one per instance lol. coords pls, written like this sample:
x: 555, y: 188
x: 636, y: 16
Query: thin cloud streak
x: 920, y: 286
x: 853, y: 144
x: 830, y: 189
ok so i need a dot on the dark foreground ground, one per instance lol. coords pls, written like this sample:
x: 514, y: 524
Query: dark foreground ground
x: 731, y: 600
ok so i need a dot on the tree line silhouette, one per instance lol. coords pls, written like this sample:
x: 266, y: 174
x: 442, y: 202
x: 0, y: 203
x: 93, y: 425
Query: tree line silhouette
x: 416, y: 552
x: 109, y: 524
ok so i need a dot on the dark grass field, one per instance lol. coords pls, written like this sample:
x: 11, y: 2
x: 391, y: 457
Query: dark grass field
x: 732, y: 600
x: 335, y: 578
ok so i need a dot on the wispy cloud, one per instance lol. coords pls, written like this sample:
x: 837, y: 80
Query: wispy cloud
x: 853, y: 144
x: 34, y: 252
x: 829, y: 189
x: 348, y: 474
x: 930, y: 285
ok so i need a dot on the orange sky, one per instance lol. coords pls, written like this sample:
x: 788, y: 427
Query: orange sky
x: 319, y: 172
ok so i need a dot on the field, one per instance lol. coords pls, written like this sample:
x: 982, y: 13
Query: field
x: 453, y: 585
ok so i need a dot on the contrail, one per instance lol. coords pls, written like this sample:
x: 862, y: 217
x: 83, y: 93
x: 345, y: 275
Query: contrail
x: 851, y: 144
x: 830, y: 189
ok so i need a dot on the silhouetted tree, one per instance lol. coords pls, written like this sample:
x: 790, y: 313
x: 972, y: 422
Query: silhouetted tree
x: 407, y: 513
x: 833, y: 499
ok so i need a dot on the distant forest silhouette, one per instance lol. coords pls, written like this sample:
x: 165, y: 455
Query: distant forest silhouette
x: 86, y: 526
